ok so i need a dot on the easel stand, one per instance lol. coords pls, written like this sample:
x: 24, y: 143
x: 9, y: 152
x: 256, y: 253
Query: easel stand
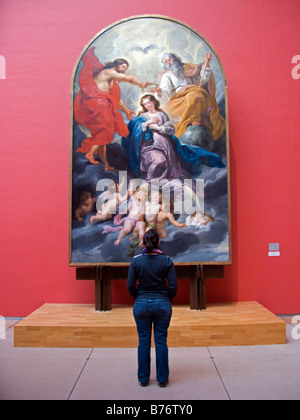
x: 102, y: 280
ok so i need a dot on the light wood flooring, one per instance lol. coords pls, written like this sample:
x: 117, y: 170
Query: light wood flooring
x: 79, y: 325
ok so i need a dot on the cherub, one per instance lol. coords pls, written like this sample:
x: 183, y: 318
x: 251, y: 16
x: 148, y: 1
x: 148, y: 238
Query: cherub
x: 86, y: 205
x: 152, y: 208
x: 164, y: 216
x: 111, y: 202
x: 199, y: 219
x: 135, y: 218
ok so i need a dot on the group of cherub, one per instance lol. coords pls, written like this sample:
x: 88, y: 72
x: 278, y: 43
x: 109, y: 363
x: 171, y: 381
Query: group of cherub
x: 144, y: 211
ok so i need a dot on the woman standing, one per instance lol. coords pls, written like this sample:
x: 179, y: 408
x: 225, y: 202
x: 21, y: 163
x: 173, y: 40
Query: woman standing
x: 153, y: 284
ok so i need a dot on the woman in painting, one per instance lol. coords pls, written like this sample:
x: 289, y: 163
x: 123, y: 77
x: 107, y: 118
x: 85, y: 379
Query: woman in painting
x: 155, y: 153
x: 158, y: 158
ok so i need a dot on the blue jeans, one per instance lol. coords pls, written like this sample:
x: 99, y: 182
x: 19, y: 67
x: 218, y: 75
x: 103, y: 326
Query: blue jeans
x: 157, y: 312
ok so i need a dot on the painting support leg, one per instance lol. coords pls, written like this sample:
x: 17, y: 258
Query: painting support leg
x: 102, y: 285
x: 198, y: 289
x: 198, y: 284
x: 102, y: 290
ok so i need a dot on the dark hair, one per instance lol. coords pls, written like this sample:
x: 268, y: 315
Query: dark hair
x: 151, y: 240
x: 116, y: 63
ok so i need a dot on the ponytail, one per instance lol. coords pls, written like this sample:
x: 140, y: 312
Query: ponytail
x: 151, y: 240
x: 149, y: 247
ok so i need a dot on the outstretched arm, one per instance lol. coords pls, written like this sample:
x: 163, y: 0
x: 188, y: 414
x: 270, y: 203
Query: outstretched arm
x: 174, y: 222
x: 205, y: 71
x: 123, y: 107
x: 129, y: 78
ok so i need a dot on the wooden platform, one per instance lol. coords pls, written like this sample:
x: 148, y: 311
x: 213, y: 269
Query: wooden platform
x: 80, y: 325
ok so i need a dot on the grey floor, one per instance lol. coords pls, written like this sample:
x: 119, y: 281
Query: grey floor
x: 206, y: 373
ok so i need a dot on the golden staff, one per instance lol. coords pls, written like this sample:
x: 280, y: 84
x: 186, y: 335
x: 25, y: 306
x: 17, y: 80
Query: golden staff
x: 207, y: 61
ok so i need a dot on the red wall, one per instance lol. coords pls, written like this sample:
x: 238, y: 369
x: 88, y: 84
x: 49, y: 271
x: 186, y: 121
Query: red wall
x: 41, y: 41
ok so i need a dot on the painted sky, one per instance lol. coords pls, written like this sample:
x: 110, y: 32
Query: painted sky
x: 142, y: 42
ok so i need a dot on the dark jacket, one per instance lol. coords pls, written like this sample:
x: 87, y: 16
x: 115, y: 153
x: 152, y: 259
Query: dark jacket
x: 155, y: 275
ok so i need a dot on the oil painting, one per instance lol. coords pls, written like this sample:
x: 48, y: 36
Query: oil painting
x: 149, y: 146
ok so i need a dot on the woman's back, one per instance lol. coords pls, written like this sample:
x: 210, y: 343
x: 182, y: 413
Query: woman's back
x: 155, y: 273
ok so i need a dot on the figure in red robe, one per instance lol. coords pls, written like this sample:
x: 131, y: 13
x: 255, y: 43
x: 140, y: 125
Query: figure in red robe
x: 97, y: 102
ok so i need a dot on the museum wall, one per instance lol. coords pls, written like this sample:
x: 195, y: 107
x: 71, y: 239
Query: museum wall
x: 258, y: 44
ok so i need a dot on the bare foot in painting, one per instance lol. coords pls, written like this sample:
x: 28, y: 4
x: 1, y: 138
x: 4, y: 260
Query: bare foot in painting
x: 109, y: 168
x: 91, y: 159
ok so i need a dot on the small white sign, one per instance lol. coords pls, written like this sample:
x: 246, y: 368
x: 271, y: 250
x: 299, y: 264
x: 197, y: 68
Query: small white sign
x: 2, y: 328
x: 274, y: 253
